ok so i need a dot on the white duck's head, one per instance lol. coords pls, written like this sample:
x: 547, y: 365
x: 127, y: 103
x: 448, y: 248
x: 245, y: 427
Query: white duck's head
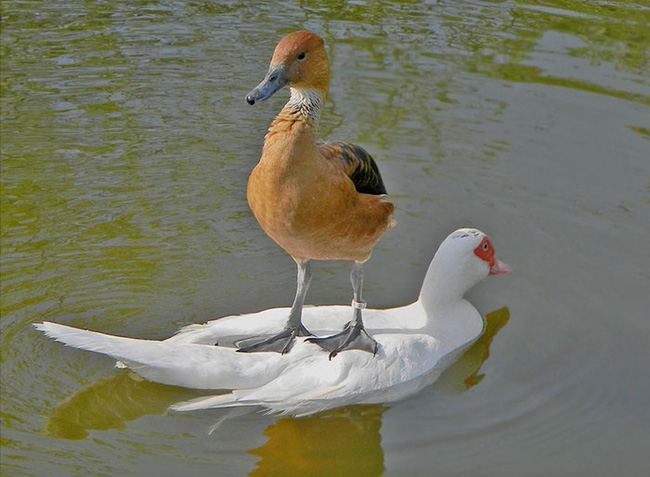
x: 463, y: 259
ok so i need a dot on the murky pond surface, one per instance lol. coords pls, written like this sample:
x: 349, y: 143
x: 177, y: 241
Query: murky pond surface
x: 126, y: 146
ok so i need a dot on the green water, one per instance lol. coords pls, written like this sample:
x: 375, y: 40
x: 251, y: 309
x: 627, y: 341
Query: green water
x: 126, y: 145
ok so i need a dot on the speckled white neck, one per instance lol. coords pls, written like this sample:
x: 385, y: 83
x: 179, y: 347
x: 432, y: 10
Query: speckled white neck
x: 305, y: 102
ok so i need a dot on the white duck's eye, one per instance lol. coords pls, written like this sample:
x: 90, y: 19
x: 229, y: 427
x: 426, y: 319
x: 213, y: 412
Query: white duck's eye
x: 485, y: 246
x: 301, y: 55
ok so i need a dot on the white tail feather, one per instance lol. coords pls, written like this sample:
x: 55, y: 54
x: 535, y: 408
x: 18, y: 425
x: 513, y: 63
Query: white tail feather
x: 113, y: 346
x: 190, y: 365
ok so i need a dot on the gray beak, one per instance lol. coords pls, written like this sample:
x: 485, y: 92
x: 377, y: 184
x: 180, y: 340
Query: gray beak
x: 275, y: 79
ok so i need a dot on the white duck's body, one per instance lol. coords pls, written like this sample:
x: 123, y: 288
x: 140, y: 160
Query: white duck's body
x: 416, y: 343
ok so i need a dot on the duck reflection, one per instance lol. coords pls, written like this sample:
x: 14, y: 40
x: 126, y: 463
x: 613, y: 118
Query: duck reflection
x: 109, y: 403
x: 344, y: 441
x: 463, y: 374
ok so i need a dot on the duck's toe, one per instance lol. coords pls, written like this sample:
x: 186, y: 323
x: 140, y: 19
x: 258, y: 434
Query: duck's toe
x: 352, y: 337
x: 279, y: 343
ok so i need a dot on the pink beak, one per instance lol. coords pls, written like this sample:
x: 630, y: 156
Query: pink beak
x: 500, y: 268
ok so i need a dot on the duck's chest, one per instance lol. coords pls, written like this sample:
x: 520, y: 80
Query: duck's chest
x: 297, y: 193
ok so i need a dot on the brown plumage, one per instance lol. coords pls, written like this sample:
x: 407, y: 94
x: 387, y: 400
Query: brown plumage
x: 317, y: 201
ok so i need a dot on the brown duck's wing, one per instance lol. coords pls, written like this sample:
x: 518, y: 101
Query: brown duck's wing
x: 357, y: 164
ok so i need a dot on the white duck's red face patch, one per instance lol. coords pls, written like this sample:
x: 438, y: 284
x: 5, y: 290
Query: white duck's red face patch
x: 485, y: 252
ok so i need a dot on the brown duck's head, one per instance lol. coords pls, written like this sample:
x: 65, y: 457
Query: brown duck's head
x: 300, y: 61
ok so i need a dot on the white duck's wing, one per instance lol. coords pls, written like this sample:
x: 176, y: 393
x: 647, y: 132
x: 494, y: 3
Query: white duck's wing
x: 230, y: 328
x: 179, y: 364
x: 227, y: 330
x: 315, y: 383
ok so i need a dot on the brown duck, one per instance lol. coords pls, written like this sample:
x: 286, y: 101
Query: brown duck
x: 317, y: 201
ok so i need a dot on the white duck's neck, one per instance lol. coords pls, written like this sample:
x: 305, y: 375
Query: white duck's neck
x: 449, y: 315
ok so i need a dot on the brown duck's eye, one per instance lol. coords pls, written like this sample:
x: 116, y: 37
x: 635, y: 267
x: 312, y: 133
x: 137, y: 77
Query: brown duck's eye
x: 301, y: 55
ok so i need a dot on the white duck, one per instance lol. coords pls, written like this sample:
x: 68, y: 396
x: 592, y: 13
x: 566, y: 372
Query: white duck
x: 416, y: 343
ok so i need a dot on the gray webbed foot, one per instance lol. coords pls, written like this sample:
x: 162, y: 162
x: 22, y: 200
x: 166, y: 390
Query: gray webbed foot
x: 280, y: 343
x: 353, y: 336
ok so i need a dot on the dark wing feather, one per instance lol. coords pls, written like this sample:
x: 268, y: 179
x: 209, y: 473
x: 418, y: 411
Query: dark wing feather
x: 357, y: 164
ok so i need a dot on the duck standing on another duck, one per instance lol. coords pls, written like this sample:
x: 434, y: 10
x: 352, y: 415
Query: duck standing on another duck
x: 317, y: 201
x: 417, y: 343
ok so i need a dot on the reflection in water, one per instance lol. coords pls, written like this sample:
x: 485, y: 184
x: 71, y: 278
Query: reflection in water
x: 343, y: 441
x: 109, y: 403
x: 463, y: 374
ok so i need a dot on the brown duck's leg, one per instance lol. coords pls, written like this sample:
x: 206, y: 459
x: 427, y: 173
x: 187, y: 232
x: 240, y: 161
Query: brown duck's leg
x: 354, y: 335
x: 284, y: 340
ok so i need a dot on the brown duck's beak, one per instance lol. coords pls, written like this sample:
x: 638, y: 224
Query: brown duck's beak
x: 275, y: 79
